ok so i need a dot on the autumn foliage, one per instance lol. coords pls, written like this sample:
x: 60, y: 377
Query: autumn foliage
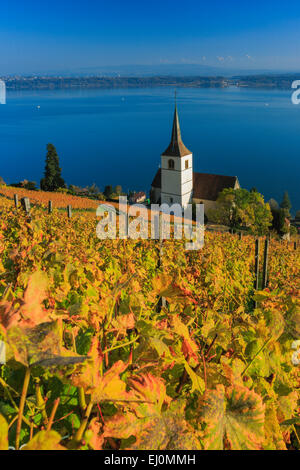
x: 94, y: 361
x: 41, y: 198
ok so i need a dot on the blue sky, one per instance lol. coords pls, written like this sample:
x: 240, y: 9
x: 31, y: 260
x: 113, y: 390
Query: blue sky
x: 63, y: 34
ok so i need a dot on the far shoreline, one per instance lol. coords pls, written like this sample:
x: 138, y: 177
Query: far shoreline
x: 47, y: 83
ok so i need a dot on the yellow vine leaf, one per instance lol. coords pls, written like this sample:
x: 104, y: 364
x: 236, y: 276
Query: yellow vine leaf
x: 41, y: 345
x: 3, y: 434
x: 155, y: 430
x: 101, y: 388
x: 273, y: 434
x: 150, y: 389
x: 164, y: 286
x: 45, y: 440
x: 197, y: 381
x: 233, y: 418
x: 29, y: 312
x: 94, y: 435
x: 170, y: 431
x: 189, y: 347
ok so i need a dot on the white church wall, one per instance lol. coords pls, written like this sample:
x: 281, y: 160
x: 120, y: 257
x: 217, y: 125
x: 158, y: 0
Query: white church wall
x: 186, y: 179
x: 177, y: 183
x: 186, y: 176
x: 170, y: 181
x: 188, y: 158
x: 186, y: 173
x: 170, y: 199
x: 187, y: 187
x: 165, y: 163
x: 186, y: 199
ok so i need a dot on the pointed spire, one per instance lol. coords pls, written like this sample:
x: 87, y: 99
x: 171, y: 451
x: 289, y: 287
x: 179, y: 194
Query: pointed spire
x: 176, y: 134
x: 176, y: 147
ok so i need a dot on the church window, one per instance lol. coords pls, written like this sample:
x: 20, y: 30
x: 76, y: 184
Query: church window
x: 171, y: 164
x: 171, y: 200
x: 186, y: 164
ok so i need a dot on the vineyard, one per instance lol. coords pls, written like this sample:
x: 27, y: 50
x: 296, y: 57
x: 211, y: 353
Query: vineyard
x: 41, y: 198
x: 96, y: 360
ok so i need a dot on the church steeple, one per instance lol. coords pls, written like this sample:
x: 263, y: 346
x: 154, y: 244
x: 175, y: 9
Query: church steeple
x: 176, y: 147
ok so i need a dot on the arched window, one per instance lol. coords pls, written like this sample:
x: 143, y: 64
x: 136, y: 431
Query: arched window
x: 186, y: 164
x: 171, y: 164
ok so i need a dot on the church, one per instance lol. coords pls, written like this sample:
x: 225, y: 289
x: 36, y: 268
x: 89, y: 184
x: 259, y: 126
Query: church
x: 176, y: 182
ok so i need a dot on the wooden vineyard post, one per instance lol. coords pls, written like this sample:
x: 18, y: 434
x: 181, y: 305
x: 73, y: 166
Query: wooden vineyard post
x: 50, y: 208
x: 161, y: 250
x: 265, y: 266
x: 257, y: 249
x: 25, y: 202
x: 158, y: 226
x: 240, y: 235
x: 69, y: 210
x: 295, y: 246
x: 16, y: 199
x: 256, y: 270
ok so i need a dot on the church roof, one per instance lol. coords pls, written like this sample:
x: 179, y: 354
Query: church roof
x: 156, y: 183
x: 176, y: 147
x: 208, y: 186
x: 205, y: 185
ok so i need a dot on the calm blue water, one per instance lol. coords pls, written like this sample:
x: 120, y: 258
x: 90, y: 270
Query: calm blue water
x: 117, y: 136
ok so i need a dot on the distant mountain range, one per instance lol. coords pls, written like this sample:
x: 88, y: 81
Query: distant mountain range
x: 178, y: 70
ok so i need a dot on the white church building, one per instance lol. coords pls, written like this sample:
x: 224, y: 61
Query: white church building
x: 176, y: 182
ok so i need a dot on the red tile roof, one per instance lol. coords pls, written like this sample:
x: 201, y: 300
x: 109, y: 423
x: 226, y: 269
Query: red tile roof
x: 205, y: 185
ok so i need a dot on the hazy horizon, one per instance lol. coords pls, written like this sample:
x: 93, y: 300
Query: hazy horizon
x: 63, y: 36
x: 155, y: 69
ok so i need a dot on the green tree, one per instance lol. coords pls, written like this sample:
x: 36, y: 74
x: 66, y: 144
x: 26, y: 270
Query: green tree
x: 30, y: 185
x: 273, y: 204
x: 279, y: 222
x: 108, y: 191
x: 52, y: 180
x: 240, y: 208
x: 93, y: 190
x: 118, y: 190
x: 286, y: 203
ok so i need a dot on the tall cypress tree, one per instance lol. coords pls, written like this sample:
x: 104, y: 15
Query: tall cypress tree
x: 52, y: 180
x: 286, y: 203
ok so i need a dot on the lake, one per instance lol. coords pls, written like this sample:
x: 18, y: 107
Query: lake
x: 116, y: 136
